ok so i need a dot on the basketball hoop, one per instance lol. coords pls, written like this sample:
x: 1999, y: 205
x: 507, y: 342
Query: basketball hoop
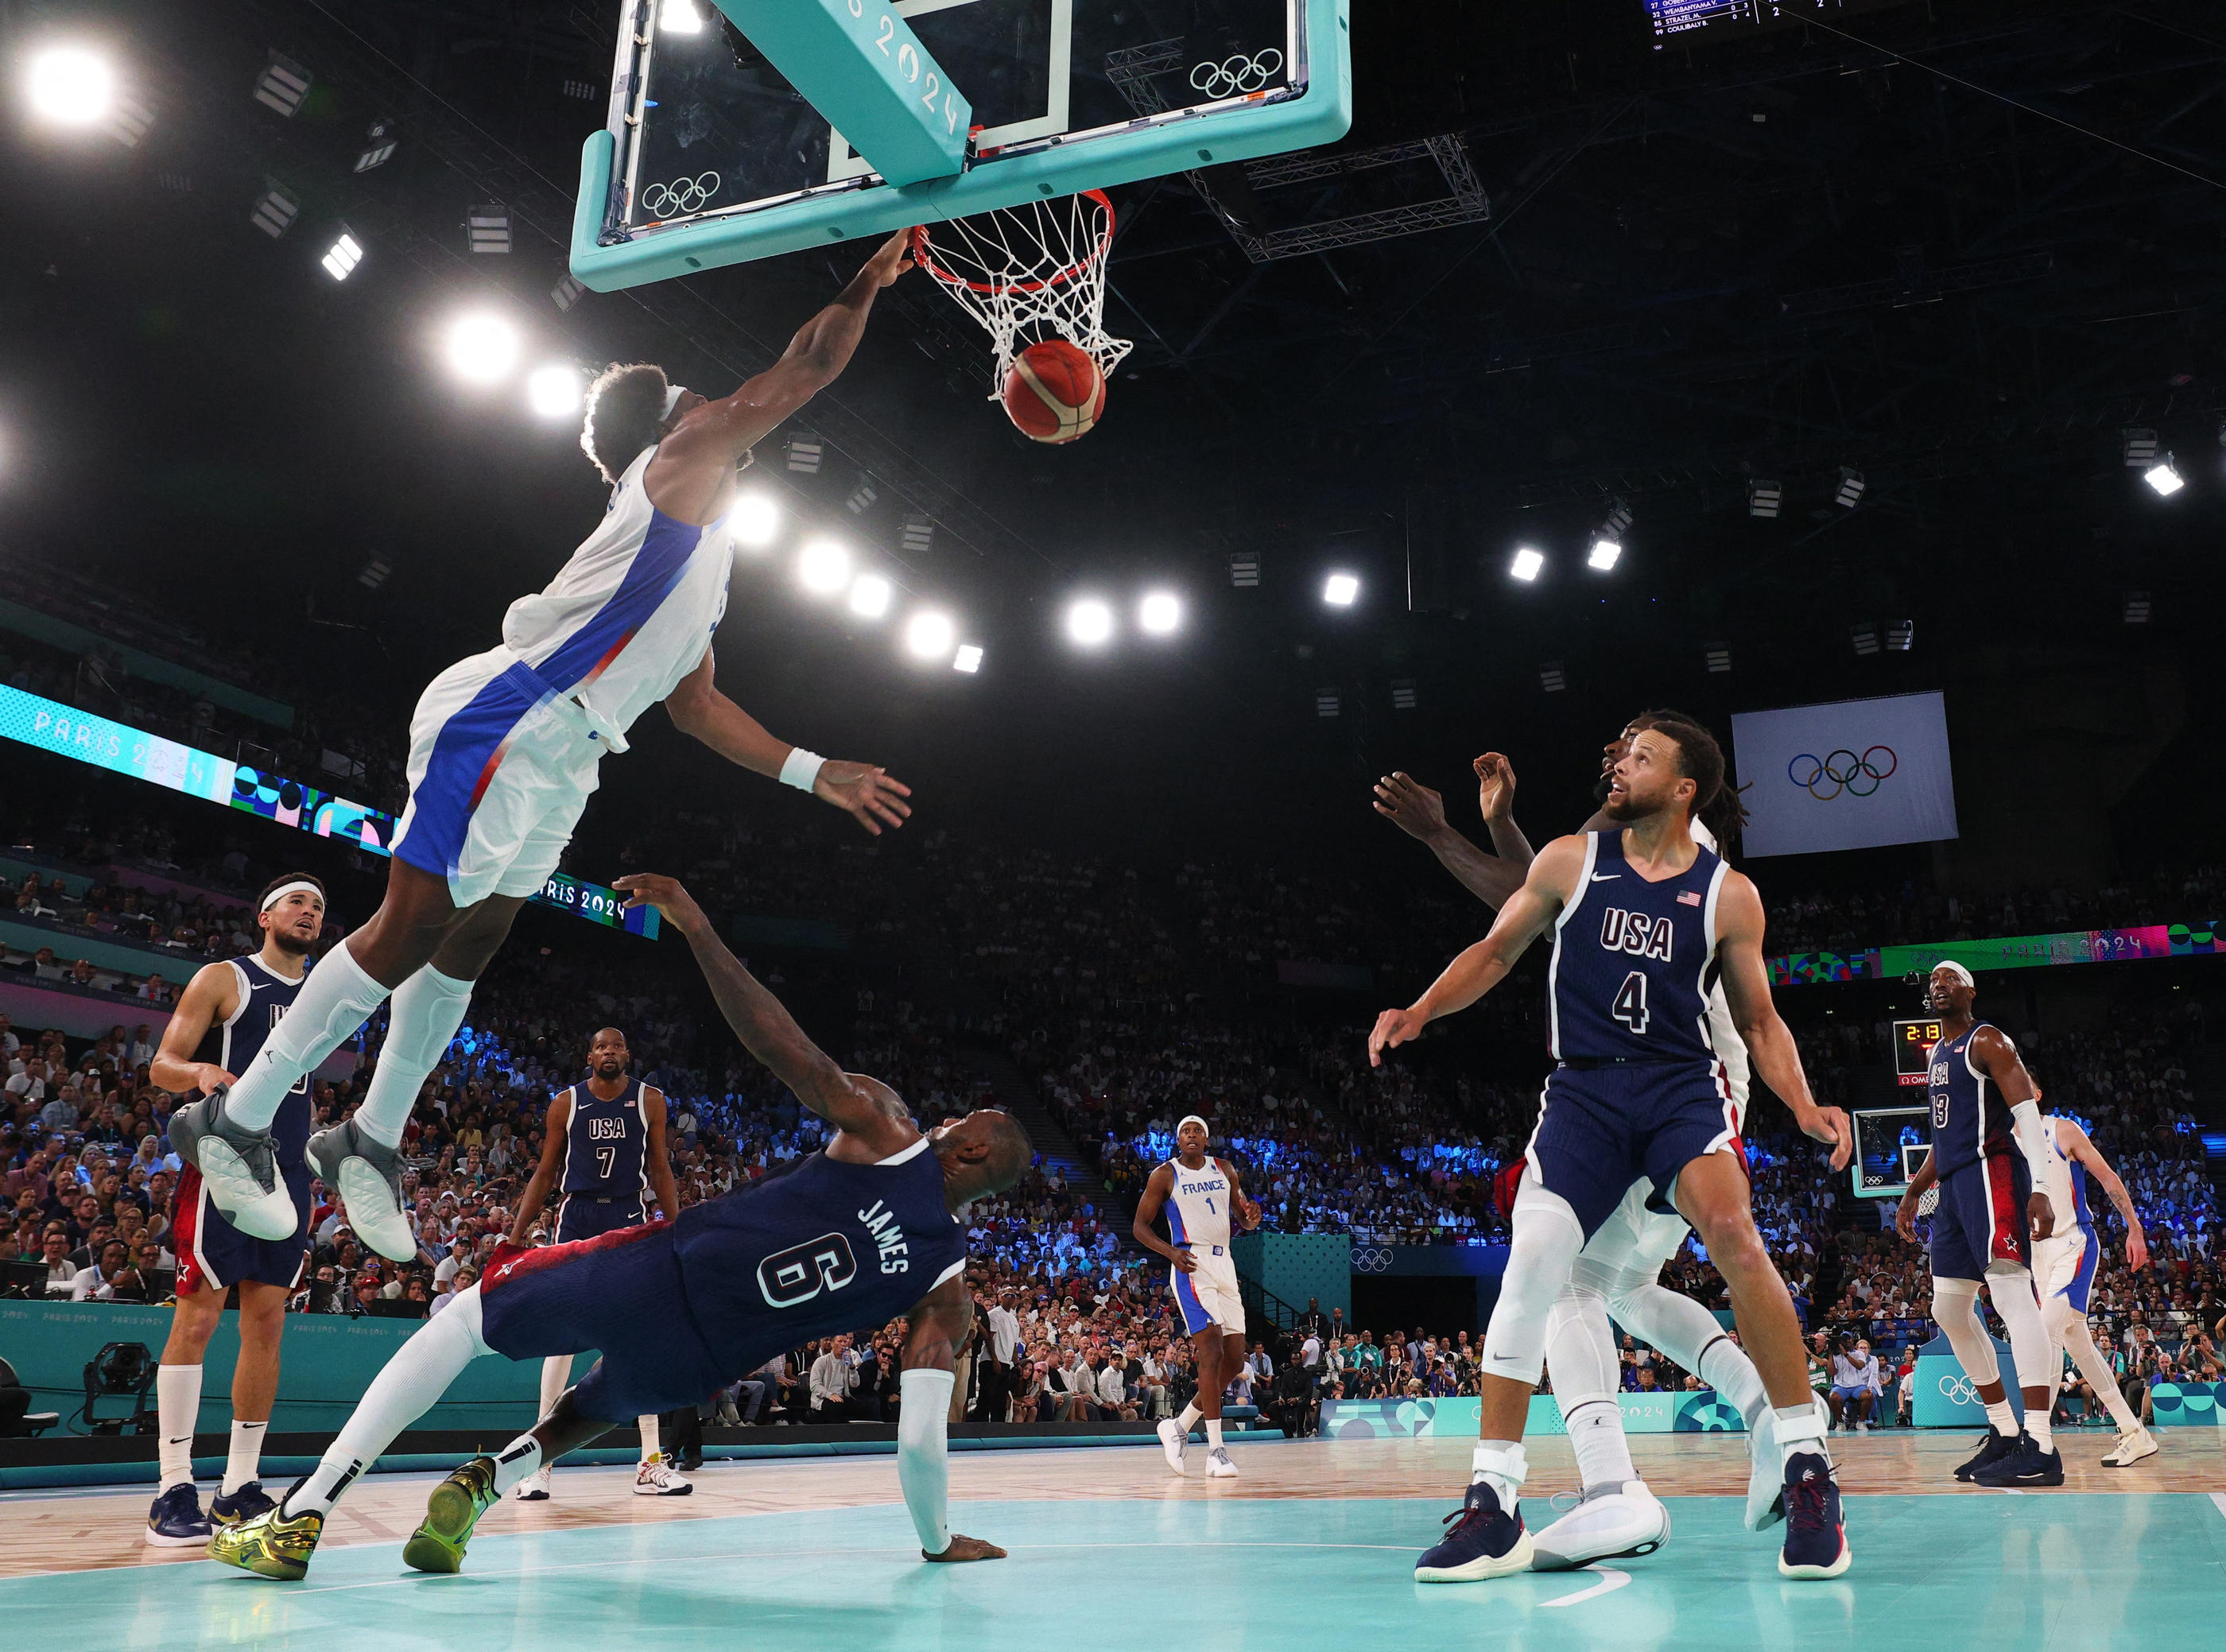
x: 1028, y: 273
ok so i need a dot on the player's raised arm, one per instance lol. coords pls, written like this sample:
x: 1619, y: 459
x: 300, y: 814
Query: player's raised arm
x: 2084, y: 1150
x: 1419, y: 812
x: 769, y: 1031
x: 940, y: 1327
x: 1550, y: 885
x: 1768, y: 1040
x: 1993, y: 1054
x: 554, y: 1127
x: 210, y: 998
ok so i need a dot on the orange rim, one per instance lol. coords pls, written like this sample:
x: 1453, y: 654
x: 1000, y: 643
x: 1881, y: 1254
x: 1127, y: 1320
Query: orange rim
x: 923, y: 254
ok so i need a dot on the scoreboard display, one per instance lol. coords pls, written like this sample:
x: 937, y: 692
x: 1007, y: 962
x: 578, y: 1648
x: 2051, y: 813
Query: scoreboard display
x: 1912, y: 1051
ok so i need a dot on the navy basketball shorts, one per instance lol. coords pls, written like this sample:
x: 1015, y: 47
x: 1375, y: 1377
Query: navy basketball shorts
x: 620, y: 1295
x: 1602, y: 1129
x: 579, y: 1217
x: 214, y: 1255
x: 1982, y: 1218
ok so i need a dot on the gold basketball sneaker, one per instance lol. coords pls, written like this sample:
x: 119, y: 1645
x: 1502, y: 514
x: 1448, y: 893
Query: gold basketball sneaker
x: 450, y: 1513
x: 270, y: 1545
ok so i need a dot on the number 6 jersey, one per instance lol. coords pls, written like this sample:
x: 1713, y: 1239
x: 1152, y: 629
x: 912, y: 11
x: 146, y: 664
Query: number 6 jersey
x: 1634, y: 962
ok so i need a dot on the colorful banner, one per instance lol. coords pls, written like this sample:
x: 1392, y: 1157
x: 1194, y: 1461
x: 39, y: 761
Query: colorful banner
x: 1456, y: 1418
x: 2009, y: 952
x: 64, y: 731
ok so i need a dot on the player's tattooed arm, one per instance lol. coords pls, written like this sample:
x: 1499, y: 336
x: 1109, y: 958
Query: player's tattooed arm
x: 1148, y: 1206
x: 545, y: 1174
x: 210, y: 998
x: 2084, y: 1150
x: 1419, y: 812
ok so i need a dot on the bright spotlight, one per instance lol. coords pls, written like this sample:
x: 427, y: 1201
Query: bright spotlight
x: 754, y: 521
x: 342, y: 256
x: 968, y: 659
x: 1340, y: 590
x: 1604, y: 554
x: 1159, y: 613
x: 680, y: 17
x: 1526, y: 565
x: 71, y: 87
x: 824, y: 566
x: 2162, y: 477
x: 931, y: 635
x: 553, y: 392
x: 482, y: 348
x: 1089, y: 622
x: 870, y: 596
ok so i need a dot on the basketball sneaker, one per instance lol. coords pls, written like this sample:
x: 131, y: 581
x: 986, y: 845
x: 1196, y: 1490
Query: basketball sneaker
x: 1995, y: 1447
x: 2026, y: 1466
x: 1607, y: 1523
x: 1485, y: 1541
x: 454, y: 1508
x: 655, y: 1479
x: 1218, y: 1465
x: 534, y: 1487
x: 2131, y: 1449
x: 270, y: 1545
x: 367, y: 1175
x: 1766, y: 1474
x: 246, y: 1503
x: 1172, y: 1441
x: 239, y: 1166
x: 177, y: 1520
x: 1816, y: 1535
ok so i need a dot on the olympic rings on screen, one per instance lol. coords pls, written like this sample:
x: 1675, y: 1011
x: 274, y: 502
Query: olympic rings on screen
x: 1236, y: 73
x: 681, y: 195
x: 1367, y: 1260
x: 1845, y: 770
x: 1957, y: 1390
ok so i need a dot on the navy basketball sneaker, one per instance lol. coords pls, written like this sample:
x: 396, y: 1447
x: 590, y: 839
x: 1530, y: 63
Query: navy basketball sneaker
x: 1485, y: 1541
x: 1995, y: 1447
x: 2024, y: 1465
x: 246, y: 1503
x: 1815, y: 1536
x: 177, y: 1520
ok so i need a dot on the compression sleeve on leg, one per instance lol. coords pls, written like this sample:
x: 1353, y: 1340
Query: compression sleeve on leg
x: 924, y: 1454
x: 427, y: 1009
x: 1691, y: 1336
x: 1547, y: 1239
x: 338, y: 998
x: 1955, y: 1309
x: 2096, y: 1370
x: 2011, y: 1287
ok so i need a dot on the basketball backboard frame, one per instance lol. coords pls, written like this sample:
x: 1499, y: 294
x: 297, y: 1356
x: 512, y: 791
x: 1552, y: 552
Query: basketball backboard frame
x: 608, y: 252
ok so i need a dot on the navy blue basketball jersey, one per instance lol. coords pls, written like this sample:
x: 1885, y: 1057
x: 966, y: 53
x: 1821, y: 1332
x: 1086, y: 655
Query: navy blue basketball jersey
x: 827, y: 1248
x: 1634, y: 962
x: 606, y: 1145
x: 232, y: 1044
x: 1970, y: 1122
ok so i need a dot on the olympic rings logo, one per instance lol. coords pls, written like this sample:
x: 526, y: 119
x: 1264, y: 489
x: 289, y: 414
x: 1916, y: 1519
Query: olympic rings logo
x: 1238, y: 73
x: 681, y: 195
x: 1958, y: 1390
x: 1371, y: 1261
x: 1845, y: 770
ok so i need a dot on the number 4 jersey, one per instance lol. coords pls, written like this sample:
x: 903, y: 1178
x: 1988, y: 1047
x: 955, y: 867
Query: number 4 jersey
x: 1634, y: 962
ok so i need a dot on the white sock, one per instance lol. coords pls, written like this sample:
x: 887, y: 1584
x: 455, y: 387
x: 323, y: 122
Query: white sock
x: 647, y: 1424
x: 418, y: 1374
x: 337, y: 998
x: 2037, y: 1425
x: 1800, y: 1429
x: 177, y: 1407
x: 520, y: 1460
x: 427, y: 1009
x: 1725, y: 1367
x: 242, y: 1465
x: 1603, y: 1453
x: 1999, y: 1413
x: 1213, y: 1433
x: 556, y: 1377
x: 1188, y: 1421
x: 1501, y: 1464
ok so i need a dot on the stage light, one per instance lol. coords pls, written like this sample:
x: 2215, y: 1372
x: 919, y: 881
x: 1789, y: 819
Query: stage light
x: 2162, y: 477
x: 70, y: 87
x: 754, y: 521
x: 1603, y: 555
x: 1551, y: 676
x: 553, y: 392
x: 1762, y: 499
x: 1089, y: 622
x: 487, y: 229
x: 1616, y: 521
x: 803, y: 454
x: 1901, y: 636
x: 566, y: 293
x: 968, y: 659
x: 1327, y: 704
x: 861, y: 497
x: 1526, y: 565
x: 1851, y: 489
x: 274, y: 212
x: 824, y: 566
x: 342, y: 256
x: 919, y: 536
x: 1719, y: 659
x: 679, y: 17
x: 2137, y: 608
x: 1159, y: 613
x: 379, y: 147
x: 283, y: 85
x: 2140, y: 449
x: 373, y: 573
x: 870, y: 596
x: 482, y: 348
x: 1245, y: 569
x: 1341, y: 590
x: 1866, y: 637
x: 1402, y: 693
x: 929, y: 635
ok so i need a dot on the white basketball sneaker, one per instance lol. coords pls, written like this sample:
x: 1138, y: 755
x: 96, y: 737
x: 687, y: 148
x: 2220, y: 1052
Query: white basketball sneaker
x: 1218, y: 1465
x: 2131, y: 1449
x: 367, y: 1175
x: 534, y: 1487
x: 656, y: 1478
x: 1172, y: 1441
x: 239, y: 1166
x: 1629, y: 1520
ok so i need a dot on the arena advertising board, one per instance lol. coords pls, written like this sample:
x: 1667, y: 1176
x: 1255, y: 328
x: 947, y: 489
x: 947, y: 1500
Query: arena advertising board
x: 1852, y: 774
x: 2187, y: 940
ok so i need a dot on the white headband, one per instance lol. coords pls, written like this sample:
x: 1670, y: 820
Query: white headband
x: 1955, y: 969
x: 672, y: 398
x: 1193, y: 1118
x: 298, y: 886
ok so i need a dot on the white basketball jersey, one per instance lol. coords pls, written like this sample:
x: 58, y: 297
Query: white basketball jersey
x: 2063, y: 1204
x: 632, y: 612
x: 1198, y: 1209
x: 1731, y: 1049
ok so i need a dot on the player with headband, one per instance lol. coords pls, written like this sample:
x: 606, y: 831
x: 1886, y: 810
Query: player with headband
x: 505, y: 750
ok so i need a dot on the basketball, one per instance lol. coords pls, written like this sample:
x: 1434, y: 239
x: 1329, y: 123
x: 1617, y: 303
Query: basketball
x: 1054, y: 391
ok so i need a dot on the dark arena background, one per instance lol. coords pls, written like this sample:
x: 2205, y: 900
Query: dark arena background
x: 1847, y: 375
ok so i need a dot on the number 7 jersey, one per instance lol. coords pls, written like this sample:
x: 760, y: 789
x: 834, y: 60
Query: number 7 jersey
x: 1634, y: 962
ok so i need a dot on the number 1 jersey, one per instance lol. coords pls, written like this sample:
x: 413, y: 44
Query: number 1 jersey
x: 1634, y: 962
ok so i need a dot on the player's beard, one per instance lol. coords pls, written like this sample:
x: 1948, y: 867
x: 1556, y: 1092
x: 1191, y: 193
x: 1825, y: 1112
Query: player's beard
x: 290, y: 944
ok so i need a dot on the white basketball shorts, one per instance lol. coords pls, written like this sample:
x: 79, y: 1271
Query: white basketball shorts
x: 1209, y: 1297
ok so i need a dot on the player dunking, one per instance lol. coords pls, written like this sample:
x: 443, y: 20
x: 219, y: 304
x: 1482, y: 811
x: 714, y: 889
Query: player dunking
x: 1200, y: 1194
x: 1643, y: 919
x: 604, y: 1148
x: 862, y: 1231
x: 1992, y: 1208
x: 504, y: 752
x: 226, y: 1012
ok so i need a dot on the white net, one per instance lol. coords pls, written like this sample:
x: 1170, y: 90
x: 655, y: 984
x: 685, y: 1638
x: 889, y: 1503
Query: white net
x: 1027, y: 274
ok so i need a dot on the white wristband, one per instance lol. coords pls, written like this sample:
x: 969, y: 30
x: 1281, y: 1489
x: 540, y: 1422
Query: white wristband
x: 801, y: 768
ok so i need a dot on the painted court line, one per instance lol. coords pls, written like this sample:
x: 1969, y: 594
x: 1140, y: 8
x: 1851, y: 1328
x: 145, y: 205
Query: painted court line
x: 2218, y: 1500
x: 1610, y: 1581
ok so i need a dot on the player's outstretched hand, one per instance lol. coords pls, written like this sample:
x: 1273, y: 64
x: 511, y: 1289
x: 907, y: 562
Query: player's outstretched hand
x: 1495, y: 787
x: 678, y: 907
x: 1393, y: 1028
x: 868, y: 794
x: 1410, y: 805
x: 966, y: 1548
x: 891, y: 258
x: 1830, y: 1124
x: 2040, y: 1214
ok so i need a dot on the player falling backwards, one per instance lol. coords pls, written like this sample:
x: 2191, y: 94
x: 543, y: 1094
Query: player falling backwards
x: 1200, y: 1194
x: 604, y: 1151
x: 862, y: 1231
x: 1619, y: 1272
x: 1643, y: 918
x: 503, y: 750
